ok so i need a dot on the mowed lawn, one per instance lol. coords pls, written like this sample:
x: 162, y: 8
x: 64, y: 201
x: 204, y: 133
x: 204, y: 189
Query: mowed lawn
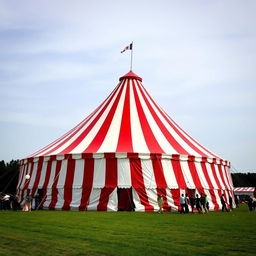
x: 127, y: 233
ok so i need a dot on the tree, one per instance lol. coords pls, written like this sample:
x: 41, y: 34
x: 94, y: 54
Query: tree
x: 9, y: 174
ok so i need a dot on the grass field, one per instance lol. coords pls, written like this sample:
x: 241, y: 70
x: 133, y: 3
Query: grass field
x: 127, y: 233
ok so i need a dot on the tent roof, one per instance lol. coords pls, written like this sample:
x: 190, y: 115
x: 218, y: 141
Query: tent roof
x: 128, y: 121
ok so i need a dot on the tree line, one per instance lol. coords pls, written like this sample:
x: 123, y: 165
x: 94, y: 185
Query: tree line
x: 9, y: 174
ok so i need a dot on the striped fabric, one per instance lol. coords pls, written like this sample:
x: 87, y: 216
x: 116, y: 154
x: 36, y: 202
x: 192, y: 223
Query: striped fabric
x: 244, y: 189
x: 127, y: 142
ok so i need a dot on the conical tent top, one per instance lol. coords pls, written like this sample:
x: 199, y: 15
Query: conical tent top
x: 130, y: 75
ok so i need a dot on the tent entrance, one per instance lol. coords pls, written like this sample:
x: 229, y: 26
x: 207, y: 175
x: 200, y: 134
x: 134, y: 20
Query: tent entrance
x: 125, y: 201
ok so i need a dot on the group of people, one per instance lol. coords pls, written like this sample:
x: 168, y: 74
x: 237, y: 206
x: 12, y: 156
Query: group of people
x: 200, y: 203
x: 251, y: 203
x: 8, y: 202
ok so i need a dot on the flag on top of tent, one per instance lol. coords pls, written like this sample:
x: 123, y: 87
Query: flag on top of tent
x: 128, y: 47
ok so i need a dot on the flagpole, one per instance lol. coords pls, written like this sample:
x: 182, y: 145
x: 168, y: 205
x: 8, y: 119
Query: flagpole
x: 131, y: 57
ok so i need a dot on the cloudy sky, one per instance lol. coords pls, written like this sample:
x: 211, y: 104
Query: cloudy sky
x: 60, y: 59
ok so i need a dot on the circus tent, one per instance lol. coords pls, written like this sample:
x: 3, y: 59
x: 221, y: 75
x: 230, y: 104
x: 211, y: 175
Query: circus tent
x: 121, y: 157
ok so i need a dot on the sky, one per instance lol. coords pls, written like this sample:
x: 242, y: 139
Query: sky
x: 60, y: 59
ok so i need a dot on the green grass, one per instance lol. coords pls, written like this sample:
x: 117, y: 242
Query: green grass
x: 127, y: 233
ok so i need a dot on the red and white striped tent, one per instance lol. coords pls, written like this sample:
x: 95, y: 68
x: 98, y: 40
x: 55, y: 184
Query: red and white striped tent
x: 123, y: 155
x: 245, y: 191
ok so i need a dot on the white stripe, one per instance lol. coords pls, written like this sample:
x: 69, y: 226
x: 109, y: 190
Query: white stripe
x: 76, y: 198
x: 79, y: 173
x: 99, y: 173
x: 62, y: 174
x: 139, y: 207
x: 112, y: 201
x: 170, y: 200
x: 94, y: 199
x: 53, y: 169
x: 169, y: 175
x: 123, y: 173
x: 138, y: 140
x: 43, y: 174
x: 152, y: 198
x: 201, y: 175
x: 148, y: 174
x: 187, y: 174
x: 111, y: 139
x: 33, y: 176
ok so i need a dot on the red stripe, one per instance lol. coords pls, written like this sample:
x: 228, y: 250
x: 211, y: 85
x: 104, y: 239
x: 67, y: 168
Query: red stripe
x: 69, y: 184
x: 149, y: 137
x: 194, y: 174
x: 110, y: 181
x: 125, y: 136
x: 46, y: 182
x: 87, y: 183
x: 54, y: 186
x: 215, y: 175
x: 176, y: 197
x: 111, y: 170
x: 99, y: 138
x: 214, y: 200
x: 178, y: 148
x: 158, y: 172
x: 178, y: 173
x: 104, y: 198
x: 38, y: 174
x: 138, y: 182
x: 176, y: 130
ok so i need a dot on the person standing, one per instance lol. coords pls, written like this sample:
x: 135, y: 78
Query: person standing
x: 182, y: 203
x: 223, y: 203
x: 192, y: 202
x: 230, y: 203
x: 236, y: 201
x: 160, y: 201
x: 203, y: 204
x: 198, y: 204
x: 206, y: 203
x: 186, y: 204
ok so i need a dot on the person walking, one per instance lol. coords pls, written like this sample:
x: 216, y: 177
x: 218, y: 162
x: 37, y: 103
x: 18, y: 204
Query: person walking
x: 223, y: 203
x: 198, y: 204
x: 182, y: 203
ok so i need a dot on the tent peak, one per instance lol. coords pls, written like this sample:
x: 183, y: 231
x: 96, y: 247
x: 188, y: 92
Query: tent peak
x: 130, y: 75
